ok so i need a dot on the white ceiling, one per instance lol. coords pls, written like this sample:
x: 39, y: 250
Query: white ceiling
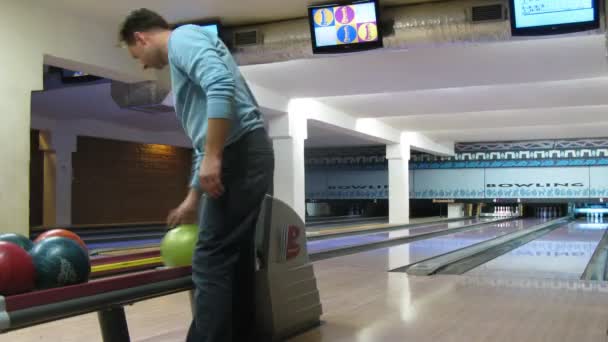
x: 230, y: 12
x: 547, y: 88
x: 458, y: 65
x: 533, y: 95
x: 324, y: 136
x: 94, y: 102
x: 520, y: 89
x: 523, y: 132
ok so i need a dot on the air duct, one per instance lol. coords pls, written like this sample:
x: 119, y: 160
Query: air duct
x: 147, y: 96
x: 405, y: 27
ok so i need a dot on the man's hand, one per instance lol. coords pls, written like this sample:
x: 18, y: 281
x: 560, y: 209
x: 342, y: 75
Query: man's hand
x: 186, y: 212
x: 210, y: 176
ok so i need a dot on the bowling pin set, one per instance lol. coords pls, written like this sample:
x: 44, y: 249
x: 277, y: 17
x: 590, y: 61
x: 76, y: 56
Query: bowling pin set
x: 506, y: 211
x: 595, y: 217
x: 548, y: 212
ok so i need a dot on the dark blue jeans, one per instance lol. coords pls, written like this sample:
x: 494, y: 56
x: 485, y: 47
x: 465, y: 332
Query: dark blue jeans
x: 223, y: 268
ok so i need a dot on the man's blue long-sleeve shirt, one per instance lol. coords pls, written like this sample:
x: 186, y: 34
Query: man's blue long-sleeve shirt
x: 207, y: 84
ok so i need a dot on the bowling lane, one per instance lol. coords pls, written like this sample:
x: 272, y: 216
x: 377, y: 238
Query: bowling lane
x: 124, y: 244
x: 98, y: 246
x: 405, y: 254
x: 332, y: 243
x: 313, y: 246
x: 563, y: 253
x: 343, y: 221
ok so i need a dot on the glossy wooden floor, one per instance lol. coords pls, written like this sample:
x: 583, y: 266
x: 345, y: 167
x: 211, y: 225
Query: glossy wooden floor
x: 369, y: 226
x: 369, y: 304
x: 364, y: 303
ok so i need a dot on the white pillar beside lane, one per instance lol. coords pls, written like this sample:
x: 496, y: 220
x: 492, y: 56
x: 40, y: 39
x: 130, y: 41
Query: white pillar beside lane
x: 288, y: 133
x: 398, y: 156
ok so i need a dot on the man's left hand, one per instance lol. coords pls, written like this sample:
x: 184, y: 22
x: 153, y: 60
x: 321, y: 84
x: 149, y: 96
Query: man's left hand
x: 210, y: 176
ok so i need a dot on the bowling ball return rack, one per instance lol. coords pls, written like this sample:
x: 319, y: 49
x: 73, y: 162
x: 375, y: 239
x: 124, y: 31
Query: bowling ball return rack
x: 287, y: 297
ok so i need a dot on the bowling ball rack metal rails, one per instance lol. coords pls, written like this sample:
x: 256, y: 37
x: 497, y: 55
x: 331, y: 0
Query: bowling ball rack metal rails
x: 286, y: 289
x: 109, y: 233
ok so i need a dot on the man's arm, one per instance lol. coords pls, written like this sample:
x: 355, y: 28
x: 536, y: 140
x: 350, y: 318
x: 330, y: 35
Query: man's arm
x: 195, y: 183
x: 201, y: 57
x: 186, y: 211
x: 210, y: 174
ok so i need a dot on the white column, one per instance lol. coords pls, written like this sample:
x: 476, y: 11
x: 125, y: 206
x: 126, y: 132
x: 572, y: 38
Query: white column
x: 288, y: 133
x: 398, y: 156
x: 58, y: 147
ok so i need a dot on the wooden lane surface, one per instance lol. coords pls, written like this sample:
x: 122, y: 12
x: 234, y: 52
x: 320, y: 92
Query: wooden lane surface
x: 325, y: 232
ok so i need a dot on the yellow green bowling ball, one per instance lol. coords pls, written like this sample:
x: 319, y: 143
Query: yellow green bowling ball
x: 177, y: 247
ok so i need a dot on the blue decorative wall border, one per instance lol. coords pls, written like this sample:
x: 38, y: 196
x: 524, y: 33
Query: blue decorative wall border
x: 548, y: 144
x: 538, y: 153
x: 489, y: 164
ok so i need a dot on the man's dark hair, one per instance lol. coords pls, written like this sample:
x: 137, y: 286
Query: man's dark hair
x: 141, y: 20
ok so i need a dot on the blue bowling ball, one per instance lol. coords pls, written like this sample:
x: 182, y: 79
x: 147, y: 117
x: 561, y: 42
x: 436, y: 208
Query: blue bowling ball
x: 18, y: 240
x: 60, y: 262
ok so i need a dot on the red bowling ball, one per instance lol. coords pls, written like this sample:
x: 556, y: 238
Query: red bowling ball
x: 17, y: 273
x: 62, y: 233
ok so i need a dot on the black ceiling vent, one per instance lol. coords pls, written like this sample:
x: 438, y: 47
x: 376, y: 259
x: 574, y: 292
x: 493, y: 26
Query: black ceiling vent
x: 487, y: 13
x: 246, y: 38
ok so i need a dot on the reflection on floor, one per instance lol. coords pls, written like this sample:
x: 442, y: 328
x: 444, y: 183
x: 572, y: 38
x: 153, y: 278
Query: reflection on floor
x: 363, y: 302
